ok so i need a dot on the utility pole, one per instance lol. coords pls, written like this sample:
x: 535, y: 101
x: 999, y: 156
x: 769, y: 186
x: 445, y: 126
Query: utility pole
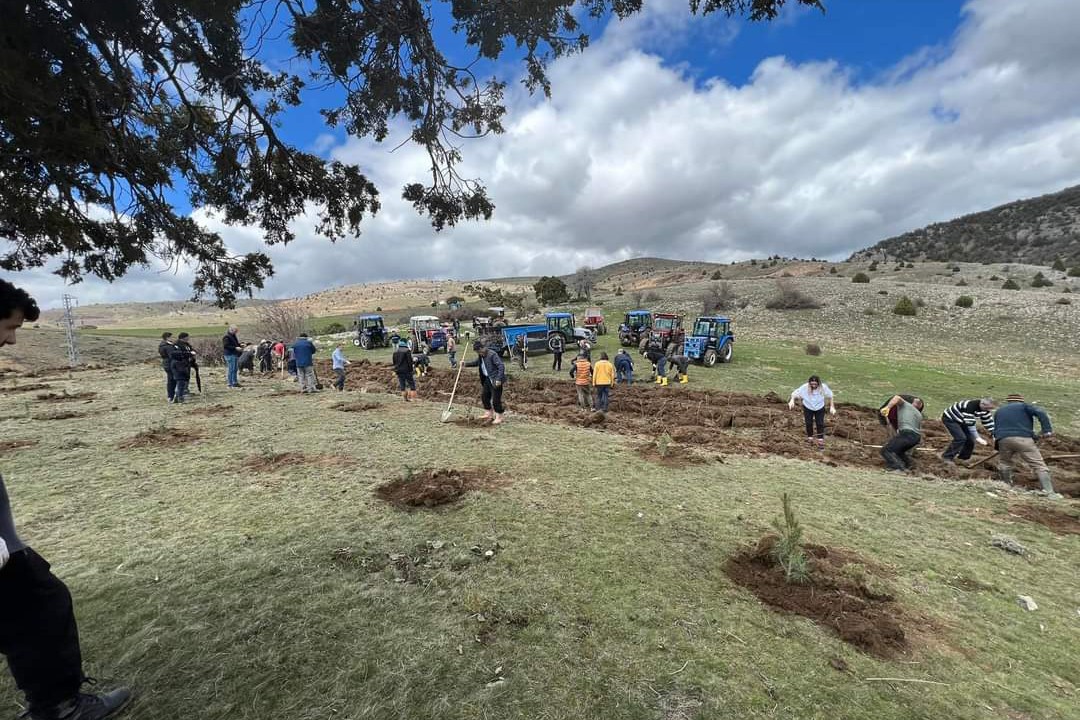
x: 69, y: 328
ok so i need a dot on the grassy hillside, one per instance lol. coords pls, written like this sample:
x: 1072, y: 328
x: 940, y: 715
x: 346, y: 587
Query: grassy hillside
x: 262, y: 576
x: 1037, y: 231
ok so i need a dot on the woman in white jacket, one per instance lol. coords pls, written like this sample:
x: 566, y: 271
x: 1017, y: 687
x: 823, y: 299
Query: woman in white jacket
x: 813, y: 393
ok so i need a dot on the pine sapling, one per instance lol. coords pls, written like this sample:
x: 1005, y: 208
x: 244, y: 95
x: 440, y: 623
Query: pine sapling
x: 788, y: 551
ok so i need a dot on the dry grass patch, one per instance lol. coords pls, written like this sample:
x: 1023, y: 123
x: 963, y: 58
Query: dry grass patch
x: 1059, y: 521
x: 64, y: 396
x: 60, y: 415
x: 356, y: 406
x: 273, y: 462
x: 160, y: 437
x: 24, y: 388
x: 212, y: 410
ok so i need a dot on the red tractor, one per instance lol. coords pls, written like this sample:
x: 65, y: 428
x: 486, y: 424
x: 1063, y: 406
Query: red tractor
x: 667, y: 333
x: 594, y: 320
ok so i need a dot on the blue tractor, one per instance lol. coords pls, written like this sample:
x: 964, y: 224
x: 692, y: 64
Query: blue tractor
x: 710, y: 341
x: 636, y: 325
x: 372, y: 333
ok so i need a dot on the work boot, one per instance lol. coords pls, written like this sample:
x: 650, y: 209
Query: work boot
x: 86, y: 707
x: 1044, y: 481
x: 659, y: 380
x: 683, y: 379
x: 1005, y: 474
x: 663, y: 382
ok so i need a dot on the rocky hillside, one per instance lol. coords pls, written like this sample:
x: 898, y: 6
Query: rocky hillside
x: 1038, y: 231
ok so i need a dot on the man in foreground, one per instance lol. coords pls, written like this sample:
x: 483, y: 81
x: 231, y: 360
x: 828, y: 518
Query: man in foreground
x: 908, y: 435
x: 959, y: 419
x: 38, y: 634
x: 492, y: 378
x: 304, y: 354
x: 1014, y: 437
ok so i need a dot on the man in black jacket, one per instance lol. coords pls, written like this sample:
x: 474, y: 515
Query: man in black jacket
x: 38, y: 634
x: 231, y: 346
x: 182, y: 360
x: 492, y: 379
x: 403, y: 368
x: 164, y: 351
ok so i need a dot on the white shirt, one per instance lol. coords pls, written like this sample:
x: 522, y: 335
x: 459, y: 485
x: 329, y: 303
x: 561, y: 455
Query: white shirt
x: 812, y: 400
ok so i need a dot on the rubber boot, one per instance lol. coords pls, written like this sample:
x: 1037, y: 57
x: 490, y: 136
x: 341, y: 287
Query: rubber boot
x: 683, y: 379
x: 1005, y: 474
x: 663, y: 382
x: 1044, y: 481
x: 659, y: 380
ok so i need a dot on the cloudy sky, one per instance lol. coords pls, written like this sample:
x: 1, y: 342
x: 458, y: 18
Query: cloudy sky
x: 715, y: 140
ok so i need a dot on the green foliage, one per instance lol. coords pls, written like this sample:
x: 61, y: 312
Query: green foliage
x: 378, y: 309
x: 1040, y: 281
x: 965, y: 301
x: 718, y: 275
x: 663, y: 445
x: 550, y: 290
x: 813, y: 349
x: 910, y: 265
x: 1010, y: 284
x: 108, y: 106
x: 904, y: 306
x: 787, y: 551
x: 1074, y: 271
x: 331, y: 328
x: 1063, y: 301
x: 962, y: 283
x: 1058, y: 265
x: 832, y: 270
x: 789, y: 297
x: 860, y: 277
x: 994, y: 278
x: 873, y: 266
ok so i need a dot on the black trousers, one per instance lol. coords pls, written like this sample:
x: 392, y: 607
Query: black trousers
x: 895, y: 452
x: 491, y: 397
x: 812, y: 418
x: 962, y: 444
x: 170, y: 382
x: 38, y: 635
x: 556, y: 362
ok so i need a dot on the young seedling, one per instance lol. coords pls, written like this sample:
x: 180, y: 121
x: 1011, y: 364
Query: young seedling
x: 788, y: 551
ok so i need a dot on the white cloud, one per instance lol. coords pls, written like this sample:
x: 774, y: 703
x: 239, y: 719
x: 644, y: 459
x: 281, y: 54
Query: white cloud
x: 635, y: 157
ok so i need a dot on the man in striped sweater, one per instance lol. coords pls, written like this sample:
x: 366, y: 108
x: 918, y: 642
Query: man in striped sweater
x: 959, y: 420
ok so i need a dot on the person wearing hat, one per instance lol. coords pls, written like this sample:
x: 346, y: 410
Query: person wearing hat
x: 38, y: 633
x: 1014, y: 437
x: 165, y: 348
x: 492, y: 379
x: 624, y: 367
x: 908, y: 435
x: 181, y: 362
x: 403, y: 368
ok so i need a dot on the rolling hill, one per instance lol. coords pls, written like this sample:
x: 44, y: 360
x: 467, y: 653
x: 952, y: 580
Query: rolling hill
x: 1037, y: 231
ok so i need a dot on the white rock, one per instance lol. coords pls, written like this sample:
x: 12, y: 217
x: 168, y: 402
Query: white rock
x: 1026, y: 602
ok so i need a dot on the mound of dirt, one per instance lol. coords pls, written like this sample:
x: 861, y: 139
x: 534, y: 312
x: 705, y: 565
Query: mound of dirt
x: 159, y: 437
x: 429, y: 488
x: 869, y: 620
x: 1060, y: 522
x: 8, y: 446
x: 64, y: 397
x: 212, y: 410
x: 722, y: 422
x: 356, y: 406
x: 676, y: 456
x: 60, y: 415
x: 24, y: 388
x: 475, y: 423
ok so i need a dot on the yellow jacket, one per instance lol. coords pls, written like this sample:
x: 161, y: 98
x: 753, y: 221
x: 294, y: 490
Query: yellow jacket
x: 603, y: 373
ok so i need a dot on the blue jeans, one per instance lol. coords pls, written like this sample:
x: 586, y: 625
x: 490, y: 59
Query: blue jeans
x: 230, y: 376
x: 452, y: 356
x: 602, y: 397
x: 181, y: 388
x: 962, y: 443
x: 626, y: 376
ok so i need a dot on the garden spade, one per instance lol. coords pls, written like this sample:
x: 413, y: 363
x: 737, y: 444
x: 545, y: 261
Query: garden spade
x: 447, y: 413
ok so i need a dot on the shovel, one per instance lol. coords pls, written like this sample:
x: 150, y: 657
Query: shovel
x: 447, y: 413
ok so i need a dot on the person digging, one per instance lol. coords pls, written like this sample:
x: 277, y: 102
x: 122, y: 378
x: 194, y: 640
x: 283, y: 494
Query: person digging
x: 681, y: 364
x: 403, y: 368
x: 1014, y: 437
x: 908, y: 435
x: 492, y: 379
x: 38, y: 633
x: 659, y: 361
x: 959, y: 419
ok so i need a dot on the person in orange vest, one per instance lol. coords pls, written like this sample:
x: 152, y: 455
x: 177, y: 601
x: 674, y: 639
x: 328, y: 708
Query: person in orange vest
x: 603, y: 378
x: 581, y: 371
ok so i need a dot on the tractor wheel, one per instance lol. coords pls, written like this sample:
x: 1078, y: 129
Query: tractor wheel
x: 601, y: 329
x: 356, y: 342
x: 726, y: 353
x: 365, y: 342
x: 413, y: 346
x: 709, y: 358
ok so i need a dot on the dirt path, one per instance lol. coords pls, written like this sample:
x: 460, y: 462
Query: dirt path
x: 731, y: 423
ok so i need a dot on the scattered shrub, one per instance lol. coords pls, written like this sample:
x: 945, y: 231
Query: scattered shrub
x: 994, y: 278
x: 1058, y: 265
x: 860, y: 277
x: 718, y: 275
x: 1010, y: 284
x: 832, y: 270
x: 910, y: 265
x: 1066, y: 290
x: 635, y: 299
x: 869, y: 311
x: 378, y: 309
x: 717, y: 297
x: 882, y: 292
x: 209, y: 350
x: 815, y: 349
x: 1063, y: 301
x: 873, y: 266
x: 962, y: 283
x: 1074, y: 271
x: 788, y: 551
x: 904, y: 306
x: 919, y: 302
x: 1040, y: 281
x: 955, y: 268
x: 789, y: 297
x: 331, y: 328
x: 965, y: 301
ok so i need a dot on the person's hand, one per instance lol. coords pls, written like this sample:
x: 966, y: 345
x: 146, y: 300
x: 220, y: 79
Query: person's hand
x: 981, y: 440
x: 498, y: 383
x: 4, y: 554
x: 791, y: 405
x: 832, y: 410
x: 1048, y: 434
x: 885, y: 412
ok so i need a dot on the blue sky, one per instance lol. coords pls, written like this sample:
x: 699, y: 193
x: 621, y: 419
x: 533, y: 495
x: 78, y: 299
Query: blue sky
x: 713, y: 139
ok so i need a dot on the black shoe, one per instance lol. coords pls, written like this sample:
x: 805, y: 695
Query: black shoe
x: 86, y: 707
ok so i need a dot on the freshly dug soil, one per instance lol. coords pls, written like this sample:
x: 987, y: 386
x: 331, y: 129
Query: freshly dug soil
x: 429, y: 488
x: 157, y: 437
x: 8, y: 446
x: 476, y: 423
x: 64, y: 397
x: 721, y: 422
x: 869, y: 620
x: 1060, y: 522
x: 356, y: 406
x: 24, y: 388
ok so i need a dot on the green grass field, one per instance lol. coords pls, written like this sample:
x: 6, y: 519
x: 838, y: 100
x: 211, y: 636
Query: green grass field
x: 220, y: 591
